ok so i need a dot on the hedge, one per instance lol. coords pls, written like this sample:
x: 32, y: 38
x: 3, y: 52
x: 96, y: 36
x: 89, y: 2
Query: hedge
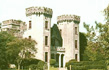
x: 85, y: 65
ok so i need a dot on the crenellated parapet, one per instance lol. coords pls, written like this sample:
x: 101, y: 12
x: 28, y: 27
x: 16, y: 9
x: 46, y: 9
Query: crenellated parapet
x: 38, y: 11
x: 12, y: 21
x: 68, y: 18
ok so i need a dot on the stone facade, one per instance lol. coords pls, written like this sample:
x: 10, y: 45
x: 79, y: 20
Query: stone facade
x: 70, y: 35
x: 39, y: 29
x: 16, y: 26
x: 39, y: 10
x: 39, y: 18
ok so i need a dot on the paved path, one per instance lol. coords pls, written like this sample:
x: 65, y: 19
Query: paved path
x: 62, y: 69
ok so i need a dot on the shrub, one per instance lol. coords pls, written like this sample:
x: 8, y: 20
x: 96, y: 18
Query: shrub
x: 94, y: 67
x: 33, y: 66
x: 78, y: 68
x: 52, y: 62
x: 41, y: 65
x: 56, y: 65
x: 27, y: 62
x: 83, y: 65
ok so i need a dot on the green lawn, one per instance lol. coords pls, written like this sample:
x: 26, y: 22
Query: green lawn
x: 52, y: 68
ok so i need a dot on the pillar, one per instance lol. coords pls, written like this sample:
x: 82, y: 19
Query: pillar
x: 64, y: 60
x: 59, y: 60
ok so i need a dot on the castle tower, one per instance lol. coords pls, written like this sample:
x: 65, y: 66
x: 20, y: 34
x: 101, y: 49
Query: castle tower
x: 38, y: 29
x: 69, y: 30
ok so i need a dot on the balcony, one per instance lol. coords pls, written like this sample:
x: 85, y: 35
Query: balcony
x: 60, y: 49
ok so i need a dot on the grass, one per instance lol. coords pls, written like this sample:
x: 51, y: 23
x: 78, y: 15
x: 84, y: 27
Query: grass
x: 52, y: 68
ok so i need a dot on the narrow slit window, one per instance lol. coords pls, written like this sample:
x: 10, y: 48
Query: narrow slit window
x: 76, y: 57
x: 29, y: 37
x: 76, y: 30
x: 29, y: 24
x: 46, y: 24
x: 60, y: 31
x: 76, y: 44
x: 46, y: 40
x: 46, y: 56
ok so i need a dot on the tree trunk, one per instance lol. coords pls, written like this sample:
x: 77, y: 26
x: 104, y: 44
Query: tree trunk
x: 18, y: 66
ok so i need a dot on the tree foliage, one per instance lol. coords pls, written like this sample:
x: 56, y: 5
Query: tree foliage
x: 13, y: 50
x: 83, y: 44
x: 98, y: 41
x: 106, y: 13
x: 4, y: 39
x: 56, y: 39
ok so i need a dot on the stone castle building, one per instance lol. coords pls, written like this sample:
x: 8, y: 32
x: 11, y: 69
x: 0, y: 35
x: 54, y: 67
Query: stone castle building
x: 15, y: 26
x: 63, y: 44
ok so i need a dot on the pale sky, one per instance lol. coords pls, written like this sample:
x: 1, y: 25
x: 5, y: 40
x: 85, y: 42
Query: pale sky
x: 88, y: 10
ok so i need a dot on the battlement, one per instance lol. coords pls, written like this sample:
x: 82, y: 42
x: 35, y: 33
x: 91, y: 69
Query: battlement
x: 39, y: 10
x: 68, y: 18
x: 12, y: 21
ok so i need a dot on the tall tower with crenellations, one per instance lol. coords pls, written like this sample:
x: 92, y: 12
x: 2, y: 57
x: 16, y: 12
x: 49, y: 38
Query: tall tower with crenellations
x: 38, y: 29
x: 69, y: 29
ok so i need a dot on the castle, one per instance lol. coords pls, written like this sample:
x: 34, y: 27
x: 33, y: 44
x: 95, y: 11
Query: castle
x: 60, y: 43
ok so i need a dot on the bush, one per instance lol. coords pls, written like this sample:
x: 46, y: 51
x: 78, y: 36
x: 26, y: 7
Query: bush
x: 56, y: 65
x: 40, y: 65
x: 85, y: 65
x: 70, y: 62
x: 27, y: 62
x: 94, y: 67
x: 52, y: 62
x: 33, y: 66
x: 78, y: 68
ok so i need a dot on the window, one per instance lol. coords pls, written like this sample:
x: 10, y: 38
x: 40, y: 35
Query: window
x: 52, y: 56
x: 60, y: 31
x: 76, y: 57
x: 29, y: 37
x: 76, y: 30
x: 76, y: 44
x: 46, y: 56
x: 46, y: 24
x: 29, y: 24
x: 46, y: 40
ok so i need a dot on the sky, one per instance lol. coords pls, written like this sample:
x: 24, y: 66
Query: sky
x: 88, y: 10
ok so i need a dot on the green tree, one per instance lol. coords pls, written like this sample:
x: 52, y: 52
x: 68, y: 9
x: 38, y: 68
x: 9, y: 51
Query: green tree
x: 4, y: 39
x: 13, y: 50
x: 83, y: 44
x: 25, y: 50
x: 106, y: 13
x: 97, y: 41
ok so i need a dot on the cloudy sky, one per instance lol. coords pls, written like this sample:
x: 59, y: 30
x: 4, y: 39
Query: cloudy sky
x: 89, y: 10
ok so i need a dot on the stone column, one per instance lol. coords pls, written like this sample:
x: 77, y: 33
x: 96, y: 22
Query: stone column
x: 64, y: 60
x: 59, y: 60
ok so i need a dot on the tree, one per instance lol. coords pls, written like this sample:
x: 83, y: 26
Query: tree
x: 98, y: 41
x: 13, y: 50
x: 106, y: 13
x: 4, y: 39
x: 25, y: 50
x: 83, y: 44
